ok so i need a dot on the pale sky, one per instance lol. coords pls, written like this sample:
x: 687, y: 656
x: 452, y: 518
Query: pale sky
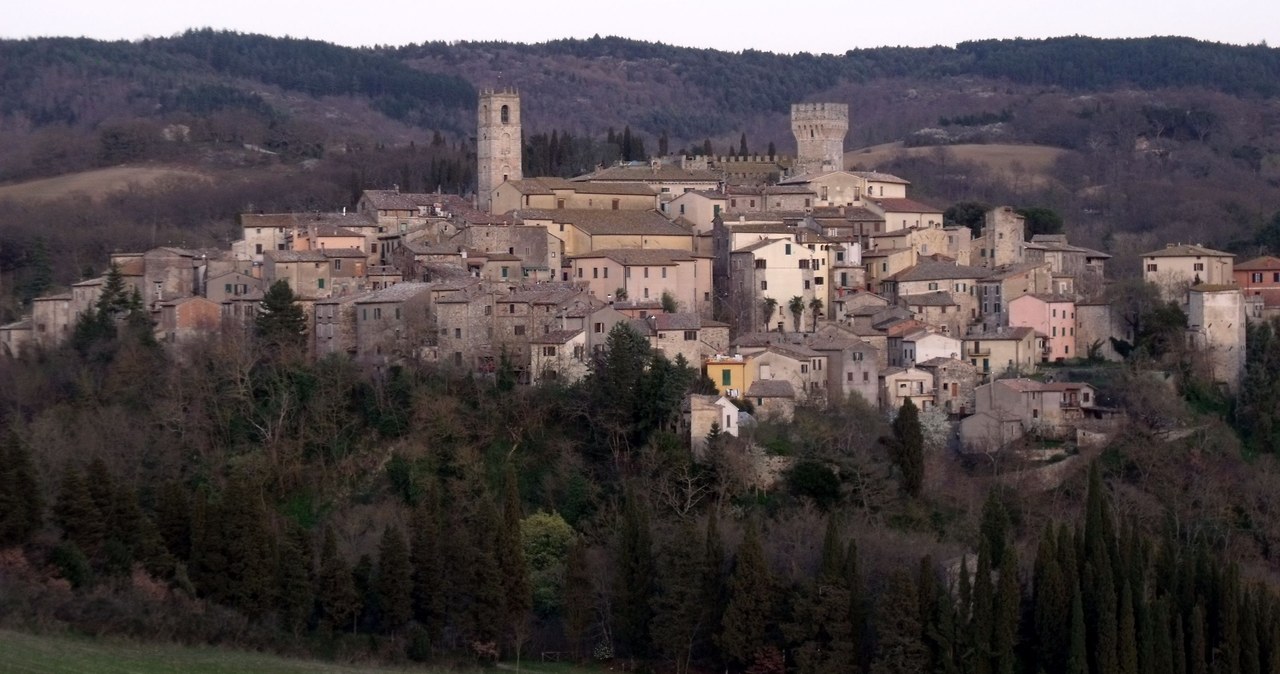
x: 818, y: 26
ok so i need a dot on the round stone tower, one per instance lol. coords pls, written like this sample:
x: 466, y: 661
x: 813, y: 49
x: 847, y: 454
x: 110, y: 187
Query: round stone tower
x: 498, y: 154
x: 819, y: 129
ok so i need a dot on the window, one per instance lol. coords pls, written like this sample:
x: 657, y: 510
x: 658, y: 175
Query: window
x: 228, y: 289
x: 377, y: 313
x: 646, y: 272
x: 506, y: 114
x: 690, y: 335
x: 457, y: 333
x: 761, y: 264
x: 726, y: 377
x: 806, y: 285
x: 505, y: 272
x: 257, y: 248
x: 617, y: 203
x: 397, y: 313
x: 488, y: 310
x: 519, y: 331
x: 664, y: 272
x: 549, y: 351
x: 786, y: 248
x: 933, y: 286
x: 804, y: 368
x: 598, y: 328
x: 364, y: 314
x: 1198, y: 266
x: 764, y: 285
x: 817, y: 280
x: 1151, y: 267
x: 595, y: 272
x: 866, y: 377
x: 804, y: 264
x: 320, y: 283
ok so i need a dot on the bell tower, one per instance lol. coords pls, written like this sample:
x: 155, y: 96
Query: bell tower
x: 498, y: 151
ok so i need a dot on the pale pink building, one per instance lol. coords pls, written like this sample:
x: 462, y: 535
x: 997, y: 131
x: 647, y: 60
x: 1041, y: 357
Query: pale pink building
x: 645, y: 274
x: 1053, y: 316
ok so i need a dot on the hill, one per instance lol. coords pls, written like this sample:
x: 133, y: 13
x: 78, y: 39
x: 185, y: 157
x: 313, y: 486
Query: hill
x: 96, y: 183
x: 1035, y: 161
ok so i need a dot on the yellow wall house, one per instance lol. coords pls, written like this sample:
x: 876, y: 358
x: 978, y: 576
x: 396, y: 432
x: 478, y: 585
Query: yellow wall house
x: 731, y: 374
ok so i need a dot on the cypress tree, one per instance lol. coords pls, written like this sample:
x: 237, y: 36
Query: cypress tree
x: 1250, y: 662
x: 428, y: 572
x: 714, y: 588
x: 335, y: 588
x: 832, y: 555
x: 1078, y: 647
x: 1227, y: 656
x: 981, y: 622
x: 578, y: 600
x: 395, y: 580
x: 995, y: 524
x: 634, y: 590
x: 1162, y: 645
x: 1051, y: 604
x: 745, y: 627
x: 1179, y: 651
x: 250, y: 563
x: 362, y: 577
x: 1127, y: 641
x: 486, y: 606
x: 857, y: 609
x: 295, y: 598
x: 1007, y: 607
x: 1144, y: 612
x: 908, y: 448
x: 678, y: 610
x: 901, y: 651
x: 515, y: 572
x: 1198, y: 649
x: 173, y: 519
x: 1101, y: 600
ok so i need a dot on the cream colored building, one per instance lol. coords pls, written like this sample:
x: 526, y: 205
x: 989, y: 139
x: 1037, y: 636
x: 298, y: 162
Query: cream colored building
x: 903, y: 213
x: 897, y: 385
x: 646, y: 274
x: 553, y: 193
x: 772, y: 268
x: 705, y: 411
x: 667, y: 180
x: 560, y: 355
x: 1179, y: 266
x: 585, y: 231
x: 1003, y: 350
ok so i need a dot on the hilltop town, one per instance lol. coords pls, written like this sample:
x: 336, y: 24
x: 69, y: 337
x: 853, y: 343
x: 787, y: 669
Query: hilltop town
x: 783, y: 279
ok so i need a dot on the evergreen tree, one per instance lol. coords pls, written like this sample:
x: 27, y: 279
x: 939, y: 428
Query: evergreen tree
x: 295, y: 596
x: 742, y: 145
x: 1007, y: 609
x: 901, y: 651
x: 982, y: 618
x: 578, y: 601
x: 76, y: 514
x: 1162, y: 645
x: 1250, y: 648
x: 1127, y: 641
x: 173, y: 519
x: 908, y: 448
x: 281, y: 323
x: 678, y: 609
x: 395, y: 580
x: 1051, y: 602
x: 715, y: 592
x: 856, y: 608
x: 1197, y: 654
x: 21, y: 506
x: 486, y: 607
x: 634, y: 589
x: 250, y: 563
x: 1078, y: 647
x: 428, y: 572
x: 515, y: 572
x: 336, y: 595
x: 773, y: 150
x: 745, y: 626
x: 995, y: 522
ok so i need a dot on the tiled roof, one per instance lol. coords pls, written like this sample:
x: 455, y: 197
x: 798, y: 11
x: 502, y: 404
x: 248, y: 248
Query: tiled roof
x: 548, y: 185
x: 939, y: 271
x: 1264, y: 263
x: 906, y: 206
x: 1048, y: 298
x: 1215, y: 287
x: 876, y: 176
x: 343, y: 252
x: 1186, y: 250
x: 647, y: 173
x: 296, y: 256
x: 999, y: 334
x: 937, y: 298
x: 395, y: 200
x: 947, y: 362
x: 603, y: 223
x: 396, y: 293
x: 302, y: 220
x: 677, y: 321
x: 556, y: 337
x: 642, y: 256
x: 771, y: 388
x: 1010, y: 270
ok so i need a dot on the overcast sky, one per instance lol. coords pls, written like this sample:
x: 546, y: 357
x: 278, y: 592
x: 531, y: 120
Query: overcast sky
x: 822, y: 26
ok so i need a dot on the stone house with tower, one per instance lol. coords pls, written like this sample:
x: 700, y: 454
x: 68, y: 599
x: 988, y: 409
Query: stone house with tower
x: 498, y: 138
x: 819, y: 129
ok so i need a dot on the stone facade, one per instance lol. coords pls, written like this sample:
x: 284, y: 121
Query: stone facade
x: 498, y: 151
x: 819, y: 129
x: 1216, y: 326
x: 1000, y: 243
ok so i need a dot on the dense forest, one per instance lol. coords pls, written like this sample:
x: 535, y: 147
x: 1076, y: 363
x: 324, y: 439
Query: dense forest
x: 234, y: 492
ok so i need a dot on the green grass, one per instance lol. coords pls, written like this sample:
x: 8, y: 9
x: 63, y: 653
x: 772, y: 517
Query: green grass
x: 25, y: 653
x: 22, y: 653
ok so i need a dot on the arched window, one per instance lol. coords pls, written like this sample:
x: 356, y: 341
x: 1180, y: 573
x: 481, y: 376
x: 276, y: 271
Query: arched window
x: 506, y: 114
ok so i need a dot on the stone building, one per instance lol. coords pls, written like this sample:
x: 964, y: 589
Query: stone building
x: 820, y: 130
x: 953, y: 384
x: 1216, y: 326
x: 498, y: 139
x: 1001, y: 241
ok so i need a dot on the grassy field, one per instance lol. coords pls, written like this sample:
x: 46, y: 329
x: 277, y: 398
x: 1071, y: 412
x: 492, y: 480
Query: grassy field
x: 1034, y: 160
x: 93, y: 184
x: 22, y: 653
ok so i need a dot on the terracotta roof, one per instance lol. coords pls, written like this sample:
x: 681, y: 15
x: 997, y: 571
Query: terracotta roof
x: 762, y: 229
x: 395, y: 200
x: 396, y: 293
x: 343, y: 252
x: 603, y: 223
x: 653, y: 257
x: 999, y: 334
x: 1048, y: 298
x: 302, y: 220
x: 548, y: 185
x: 771, y: 388
x: 906, y: 206
x: 677, y: 321
x: 1186, y: 250
x: 1264, y: 263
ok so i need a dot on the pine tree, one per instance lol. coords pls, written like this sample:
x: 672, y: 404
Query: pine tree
x: 745, y: 627
x: 250, y: 564
x: 633, y: 592
x: 1127, y: 641
x: 395, y: 580
x: 281, y: 323
x: 908, y: 448
x: 486, y: 608
x: 76, y: 514
x: 335, y: 588
x: 295, y: 596
x: 21, y: 507
x: 901, y: 651
x: 578, y: 600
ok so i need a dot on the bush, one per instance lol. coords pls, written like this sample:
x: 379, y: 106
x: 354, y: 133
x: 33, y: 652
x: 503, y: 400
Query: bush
x: 73, y: 565
x: 816, y: 481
